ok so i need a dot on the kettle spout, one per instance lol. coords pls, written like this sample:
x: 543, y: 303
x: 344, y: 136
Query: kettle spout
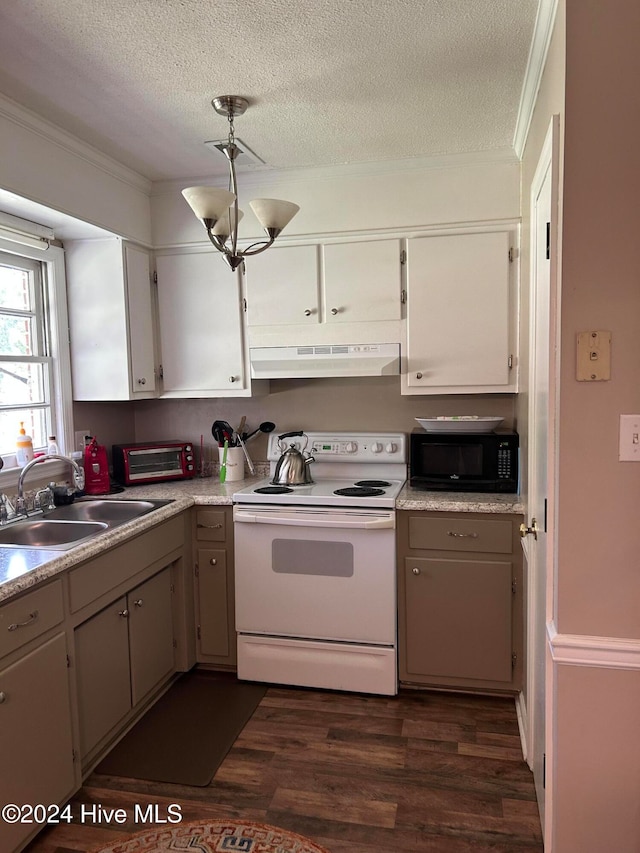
x: 309, y: 458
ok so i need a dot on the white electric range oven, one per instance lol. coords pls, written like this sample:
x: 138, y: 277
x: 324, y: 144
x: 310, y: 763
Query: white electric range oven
x: 315, y: 567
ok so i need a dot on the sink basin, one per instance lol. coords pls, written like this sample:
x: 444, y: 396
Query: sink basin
x: 102, y: 509
x: 67, y: 526
x: 43, y: 533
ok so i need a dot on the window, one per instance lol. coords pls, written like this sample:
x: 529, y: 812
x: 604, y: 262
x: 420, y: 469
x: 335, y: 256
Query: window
x: 26, y: 390
x: 35, y: 383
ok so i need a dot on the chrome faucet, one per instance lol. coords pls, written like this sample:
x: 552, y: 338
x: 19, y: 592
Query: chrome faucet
x: 78, y: 477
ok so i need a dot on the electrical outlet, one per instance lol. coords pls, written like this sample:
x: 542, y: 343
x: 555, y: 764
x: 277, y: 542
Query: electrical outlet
x: 78, y: 438
x: 629, y: 438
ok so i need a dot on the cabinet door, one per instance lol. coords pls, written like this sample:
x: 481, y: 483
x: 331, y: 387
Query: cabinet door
x: 362, y: 281
x: 283, y: 287
x: 200, y: 325
x: 35, y: 734
x: 150, y: 634
x: 458, y: 314
x: 458, y: 619
x: 102, y: 672
x: 141, y: 338
x: 213, y: 623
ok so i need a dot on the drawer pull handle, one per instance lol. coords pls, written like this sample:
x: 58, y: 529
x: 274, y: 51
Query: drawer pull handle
x: 124, y: 613
x: 462, y: 535
x: 32, y: 618
x: 210, y: 526
x: 3, y: 697
x: 416, y: 571
x: 138, y: 602
x: 213, y: 562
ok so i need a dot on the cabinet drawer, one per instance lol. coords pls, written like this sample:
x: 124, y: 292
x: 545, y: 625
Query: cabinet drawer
x: 211, y: 525
x: 105, y: 572
x: 30, y: 616
x: 460, y: 534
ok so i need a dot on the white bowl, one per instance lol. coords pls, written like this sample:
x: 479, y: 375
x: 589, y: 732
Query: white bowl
x: 460, y: 423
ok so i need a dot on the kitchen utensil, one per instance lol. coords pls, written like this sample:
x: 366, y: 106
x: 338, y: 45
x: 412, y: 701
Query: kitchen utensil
x: 265, y: 426
x: 250, y: 464
x: 459, y: 423
x: 221, y: 430
x: 241, y: 425
x: 292, y: 469
x: 223, y: 466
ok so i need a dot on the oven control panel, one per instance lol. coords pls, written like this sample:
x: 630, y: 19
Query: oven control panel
x: 345, y: 447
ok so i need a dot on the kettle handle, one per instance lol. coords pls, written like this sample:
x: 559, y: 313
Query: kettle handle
x: 289, y: 434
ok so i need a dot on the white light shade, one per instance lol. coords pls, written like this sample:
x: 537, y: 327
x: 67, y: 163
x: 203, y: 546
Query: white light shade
x: 273, y: 213
x: 208, y: 202
x: 222, y: 228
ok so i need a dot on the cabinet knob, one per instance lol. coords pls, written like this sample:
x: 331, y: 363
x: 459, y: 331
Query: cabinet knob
x: 142, y: 381
x: 3, y: 697
x: 232, y: 379
x: 124, y: 613
x: 416, y: 571
x: 307, y: 313
x: 213, y: 562
x: 138, y: 602
x: 418, y: 376
x: 334, y: 311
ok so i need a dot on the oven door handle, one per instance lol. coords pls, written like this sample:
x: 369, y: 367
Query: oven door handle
x: 308, y: 520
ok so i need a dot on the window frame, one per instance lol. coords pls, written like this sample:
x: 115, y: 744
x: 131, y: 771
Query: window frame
x: 55, y: 304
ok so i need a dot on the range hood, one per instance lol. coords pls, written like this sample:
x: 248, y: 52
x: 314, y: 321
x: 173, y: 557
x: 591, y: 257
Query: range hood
x: 337, y: 360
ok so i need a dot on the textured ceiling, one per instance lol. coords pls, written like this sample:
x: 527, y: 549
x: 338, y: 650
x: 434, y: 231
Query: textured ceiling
x: 330, y: 81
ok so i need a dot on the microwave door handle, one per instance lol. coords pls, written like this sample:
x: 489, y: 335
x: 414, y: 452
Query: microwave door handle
x: 363, y: 523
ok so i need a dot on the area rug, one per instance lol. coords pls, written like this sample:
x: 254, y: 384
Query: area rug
x: 213, y: 837
x: 185, y: 736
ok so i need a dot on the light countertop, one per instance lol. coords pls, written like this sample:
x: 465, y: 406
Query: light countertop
x: 23, y: 568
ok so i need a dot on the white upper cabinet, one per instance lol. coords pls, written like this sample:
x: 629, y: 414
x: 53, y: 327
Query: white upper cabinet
x: 200, y: 327
x: 361, y: 281
x: 111, y: 320
x: 348, y: 292
x: 461, y: 312
x: 283, y: 287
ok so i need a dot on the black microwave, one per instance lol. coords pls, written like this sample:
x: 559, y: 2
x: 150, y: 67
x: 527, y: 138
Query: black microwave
x: 464, y: 462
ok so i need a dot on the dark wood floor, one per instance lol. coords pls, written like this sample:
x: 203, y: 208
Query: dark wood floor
x: 424, y: 771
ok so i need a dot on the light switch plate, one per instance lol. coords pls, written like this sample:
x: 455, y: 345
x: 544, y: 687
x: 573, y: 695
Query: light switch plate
x: 78, y: 438
x: 593, y: 362
x: 629, y: 438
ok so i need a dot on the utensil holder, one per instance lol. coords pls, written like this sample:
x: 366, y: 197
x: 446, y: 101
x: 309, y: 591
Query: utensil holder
x: 235, y: 463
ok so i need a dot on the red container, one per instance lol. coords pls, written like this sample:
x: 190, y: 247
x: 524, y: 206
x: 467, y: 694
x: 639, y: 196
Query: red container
x: 96, y: 469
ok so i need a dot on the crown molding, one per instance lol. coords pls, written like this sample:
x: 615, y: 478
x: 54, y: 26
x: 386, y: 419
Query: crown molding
x: 260, y: 177
x: 55, y: 135
x: 542, y: 32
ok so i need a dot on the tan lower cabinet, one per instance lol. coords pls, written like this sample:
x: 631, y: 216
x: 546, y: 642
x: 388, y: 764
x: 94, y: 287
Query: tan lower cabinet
x: 214, y: 586
x: 460, y: 600
x: 36, y: 742
x: 122, y: 653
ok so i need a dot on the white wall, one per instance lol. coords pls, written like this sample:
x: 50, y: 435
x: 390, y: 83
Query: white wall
x: 44, y: 164
x: 363, y: 200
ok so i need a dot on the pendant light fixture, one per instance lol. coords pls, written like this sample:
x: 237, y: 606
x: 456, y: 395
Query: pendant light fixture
x: 218, y: 209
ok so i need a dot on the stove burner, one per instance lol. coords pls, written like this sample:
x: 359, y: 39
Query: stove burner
x: 273, y: 490
x: 359, y: 492
x: 380, y: 484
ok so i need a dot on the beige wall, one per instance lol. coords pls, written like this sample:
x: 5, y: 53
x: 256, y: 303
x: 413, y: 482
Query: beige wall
x: 596, y: 677
x: 322, y: 404
x: 599, y: 541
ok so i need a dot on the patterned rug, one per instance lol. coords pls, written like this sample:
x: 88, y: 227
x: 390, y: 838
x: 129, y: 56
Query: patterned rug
x: 214, y: 836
